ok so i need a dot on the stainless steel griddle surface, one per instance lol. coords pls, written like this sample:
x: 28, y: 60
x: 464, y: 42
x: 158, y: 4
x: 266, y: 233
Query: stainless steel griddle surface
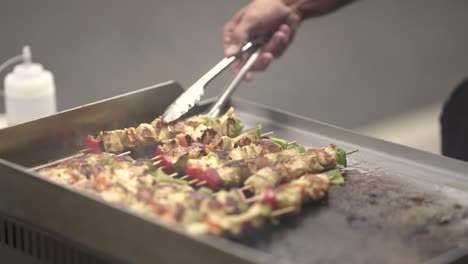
x: 398, y: 205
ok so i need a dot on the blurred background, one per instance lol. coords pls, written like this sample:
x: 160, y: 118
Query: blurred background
x: 383, y: 68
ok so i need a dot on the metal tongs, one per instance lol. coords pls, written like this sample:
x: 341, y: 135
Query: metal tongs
x: 192, y: 95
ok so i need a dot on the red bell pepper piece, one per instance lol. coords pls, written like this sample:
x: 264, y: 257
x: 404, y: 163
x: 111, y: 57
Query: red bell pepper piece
x: 166, y: 165
x: 194, y: 172
x: 182, y: 140
x: 159, y: 150
x: 91, y: 143
x: 270, y: 198
x: 212, y: 179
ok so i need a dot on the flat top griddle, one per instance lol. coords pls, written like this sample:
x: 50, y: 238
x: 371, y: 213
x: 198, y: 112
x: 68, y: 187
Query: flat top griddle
x: 399, y: 205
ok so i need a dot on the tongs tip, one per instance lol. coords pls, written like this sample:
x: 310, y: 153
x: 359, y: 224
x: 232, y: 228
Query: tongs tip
x: 169, y: 116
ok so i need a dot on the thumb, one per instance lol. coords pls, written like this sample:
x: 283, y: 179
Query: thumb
x: 237, y: 35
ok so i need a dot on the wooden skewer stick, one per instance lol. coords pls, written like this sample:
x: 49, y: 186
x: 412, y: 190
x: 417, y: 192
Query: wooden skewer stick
x: 267, y: 134
x: 56, y: 162
x: 163, y: 167
x: 241, y: 194
x: 351, y: 152
x: 124, y: 154
x: 173, y: 174
x: 292, y: 142
x: 284, y: 211
x: 252, y: 199
x: 193, y: 181
x: 246, y: 187
x: 86, y: 150
x: 157, y: 163
x: 201, y: 183
x: 156, y: 157
x: 185, y: 177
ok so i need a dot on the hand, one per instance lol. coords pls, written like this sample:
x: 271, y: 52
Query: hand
x: 276, y: 18
x: 259, y: 19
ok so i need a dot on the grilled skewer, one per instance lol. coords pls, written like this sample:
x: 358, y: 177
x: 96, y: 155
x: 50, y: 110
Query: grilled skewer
x: 271, y: 169
x: 246, y: 146
x: 194, y: 129
x: 285, y: 199
x: 315, y: 161
x: 309, y: 187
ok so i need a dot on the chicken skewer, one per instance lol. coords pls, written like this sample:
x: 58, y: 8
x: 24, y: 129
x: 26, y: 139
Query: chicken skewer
x: 196, y: 155
x: 315, y: 161
x: 222, y: 143
x: 183, y: 205
x: 271, y: 169
x: 232, y: 173
x: 309, y: 187
x: 285, y: 199
x: 195, y: 129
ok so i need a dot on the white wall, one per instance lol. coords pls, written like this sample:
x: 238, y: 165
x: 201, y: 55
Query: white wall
x: 369, y: 61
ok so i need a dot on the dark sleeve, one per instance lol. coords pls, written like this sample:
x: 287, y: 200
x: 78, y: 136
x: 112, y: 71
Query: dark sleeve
x: 454, y: 124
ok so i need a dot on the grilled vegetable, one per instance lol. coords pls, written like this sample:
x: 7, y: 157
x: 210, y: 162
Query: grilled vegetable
x: 92, y: 144
x: 335, y: 176
x: 283, y: 143
x: 160, y: 176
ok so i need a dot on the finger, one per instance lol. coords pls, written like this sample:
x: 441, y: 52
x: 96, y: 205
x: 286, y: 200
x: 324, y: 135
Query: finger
x: 227, y: 32
x: 227, y: 37
x: 247, y: 27
x: 248, y: 77
x: 293, y: 21
x: 277, y: 44
x: 289, y: 32
x: 286, y: 30
x: 235, y: 66
x: 240, y: 36
x: 262, y: 62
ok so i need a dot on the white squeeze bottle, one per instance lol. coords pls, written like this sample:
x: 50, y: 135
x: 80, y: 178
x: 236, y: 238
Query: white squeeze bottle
x: 29, y: 91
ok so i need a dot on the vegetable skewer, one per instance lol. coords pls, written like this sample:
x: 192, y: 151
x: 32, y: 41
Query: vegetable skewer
x: 285, y: 199
x: 271, y: 169
x: 245, y: 146
x: 194, y: 129
x: 315, y: 161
